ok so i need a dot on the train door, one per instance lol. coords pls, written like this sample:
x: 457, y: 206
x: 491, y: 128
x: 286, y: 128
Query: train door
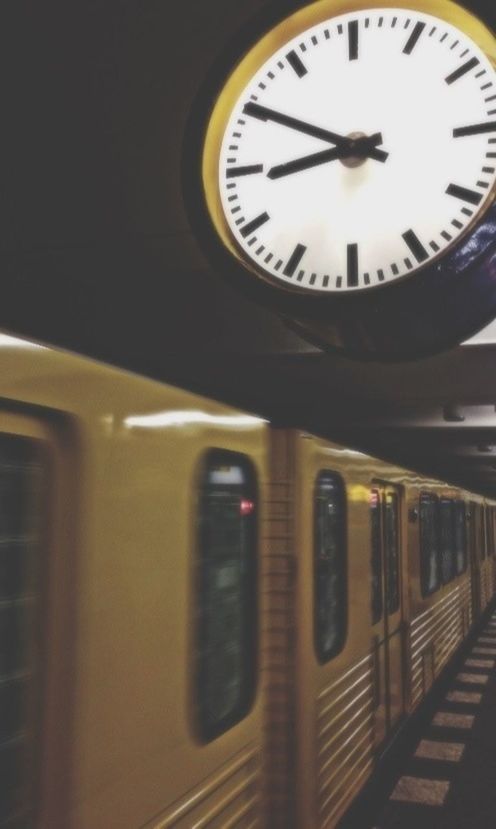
x: 387, y: 608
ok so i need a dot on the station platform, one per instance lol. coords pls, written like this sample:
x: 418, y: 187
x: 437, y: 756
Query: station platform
x: 442, y: 773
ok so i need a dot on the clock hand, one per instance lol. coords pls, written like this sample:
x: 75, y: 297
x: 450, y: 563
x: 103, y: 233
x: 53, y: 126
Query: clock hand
x: 362, y: 148
x: 266, y: 114
x: 366, y: 147
x: 305, y: 163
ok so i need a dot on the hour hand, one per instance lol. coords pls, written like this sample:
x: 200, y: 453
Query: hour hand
x: 365, y: 147
x: 305, y: 163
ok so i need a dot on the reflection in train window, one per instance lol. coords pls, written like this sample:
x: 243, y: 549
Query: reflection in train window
x: 20, y: 567
x: 489, y: 547
x: 446, y: 539
x: 460, y: 537
x: 429, y: 559
x: 493, y: 530
x: 392, y: 539
x: 226, y: 622
x: 492, y: 511
x: 330, y: 589
x: 482, y: 532
x: 376, y: 555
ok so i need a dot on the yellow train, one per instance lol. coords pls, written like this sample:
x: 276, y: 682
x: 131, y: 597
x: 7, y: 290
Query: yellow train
x: 207, y: 621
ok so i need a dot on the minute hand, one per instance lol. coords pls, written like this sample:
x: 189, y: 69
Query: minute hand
x: 266, y: 114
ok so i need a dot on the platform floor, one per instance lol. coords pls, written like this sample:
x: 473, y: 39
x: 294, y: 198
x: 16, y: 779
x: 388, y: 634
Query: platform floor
x: 449, y: 778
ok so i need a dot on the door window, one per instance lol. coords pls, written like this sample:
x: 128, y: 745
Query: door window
x: 330, y: 586
x: 460, y: 531
x: 227, y: 592
x: 392, y: 552
x: 376, y: 555
x: 429, y: 544
x: 482, y: 532
x: 447, y: 539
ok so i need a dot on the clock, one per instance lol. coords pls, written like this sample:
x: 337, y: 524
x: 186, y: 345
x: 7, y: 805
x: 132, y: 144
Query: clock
x: 348, y: 174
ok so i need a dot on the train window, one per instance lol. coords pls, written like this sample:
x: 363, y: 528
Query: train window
x: 330, y: 588
x: 492, y: 531
x: 391, y: 526
x: 429, y: 559
x: 489, y: 534
x: 482, y: 532
x: 227, y: 593
x: 492, y: 511
x: 493, y: 537
x: 376, y: 555
x: 447, y: 539
x: 20, y: 567
x: 460, y: 537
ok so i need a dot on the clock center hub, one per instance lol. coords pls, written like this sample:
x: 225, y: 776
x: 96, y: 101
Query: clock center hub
x: 354, y: 160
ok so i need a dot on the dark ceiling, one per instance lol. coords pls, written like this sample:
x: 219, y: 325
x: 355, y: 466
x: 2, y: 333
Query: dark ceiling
x: 98, y: 255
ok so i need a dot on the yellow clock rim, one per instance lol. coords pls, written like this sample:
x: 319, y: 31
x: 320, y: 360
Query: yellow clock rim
x: 269, y: 43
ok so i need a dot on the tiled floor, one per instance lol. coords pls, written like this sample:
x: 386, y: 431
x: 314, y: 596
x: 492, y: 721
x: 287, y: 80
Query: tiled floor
x: 479, y: 663
x: 450, y: 780
x: 437, y: 750
x: 473, y: 679
x: 446, y: 719
x: 464, y: 696
x: 416, y: 790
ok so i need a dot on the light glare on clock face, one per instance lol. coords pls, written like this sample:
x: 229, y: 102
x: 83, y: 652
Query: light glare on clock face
x: 307, y: 210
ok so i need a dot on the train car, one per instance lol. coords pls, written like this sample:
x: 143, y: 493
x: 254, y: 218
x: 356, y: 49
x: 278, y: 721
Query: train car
x: 372, y: 595
x: 207, y: 621
x: 130, y: 607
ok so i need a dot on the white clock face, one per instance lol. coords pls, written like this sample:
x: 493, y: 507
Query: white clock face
x: 361, y: 150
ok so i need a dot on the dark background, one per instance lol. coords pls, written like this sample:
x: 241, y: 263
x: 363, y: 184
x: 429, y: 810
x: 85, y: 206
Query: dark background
x: 97, y: 253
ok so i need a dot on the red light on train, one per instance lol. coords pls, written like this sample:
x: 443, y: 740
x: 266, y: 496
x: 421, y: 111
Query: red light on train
x: 246, y: 507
